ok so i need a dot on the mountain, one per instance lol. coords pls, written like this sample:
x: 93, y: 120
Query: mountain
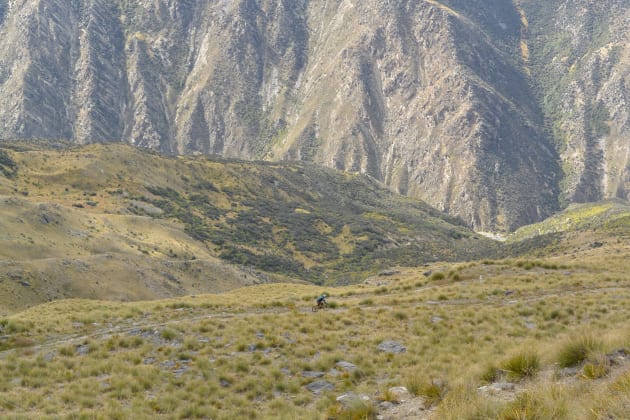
x: 580, y: 59
x: 115, y: 222
x: 498, y: 112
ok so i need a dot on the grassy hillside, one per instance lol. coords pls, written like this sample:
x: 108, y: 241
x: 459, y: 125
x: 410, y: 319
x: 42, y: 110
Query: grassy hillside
x: 608, y: 217
x: 575, y: 229
x: 114, y: 222
x: 543, y: 335
x: 502, y: 339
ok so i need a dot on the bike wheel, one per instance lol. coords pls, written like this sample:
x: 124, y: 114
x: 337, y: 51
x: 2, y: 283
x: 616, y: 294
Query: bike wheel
x: 314, y: 308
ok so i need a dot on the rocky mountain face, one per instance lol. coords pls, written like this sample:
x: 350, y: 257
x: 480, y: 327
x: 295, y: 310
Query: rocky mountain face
x: 581, y: 68
x: 496, y: 111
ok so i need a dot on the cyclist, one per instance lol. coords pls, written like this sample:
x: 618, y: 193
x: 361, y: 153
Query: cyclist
x: 321, y: 300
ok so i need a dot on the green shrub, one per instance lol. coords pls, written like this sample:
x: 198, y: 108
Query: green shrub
x: 8, y: 167
x: 401, y: 316
x: 437, y: 276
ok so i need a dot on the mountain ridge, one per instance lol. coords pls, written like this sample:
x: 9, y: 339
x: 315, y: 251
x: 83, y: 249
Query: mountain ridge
x: 474, y: 107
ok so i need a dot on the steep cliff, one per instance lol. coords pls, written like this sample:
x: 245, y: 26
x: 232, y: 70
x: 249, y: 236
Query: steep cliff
x: 581, y: 55
x: 447, y: 101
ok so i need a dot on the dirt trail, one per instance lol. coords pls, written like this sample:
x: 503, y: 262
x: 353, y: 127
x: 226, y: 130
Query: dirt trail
x: 129, y: 327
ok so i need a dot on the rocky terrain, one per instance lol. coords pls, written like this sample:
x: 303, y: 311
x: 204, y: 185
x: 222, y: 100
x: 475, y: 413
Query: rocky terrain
x: 499, y: 112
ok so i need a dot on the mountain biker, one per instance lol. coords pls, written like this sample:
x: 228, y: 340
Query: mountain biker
x: 321, y: 300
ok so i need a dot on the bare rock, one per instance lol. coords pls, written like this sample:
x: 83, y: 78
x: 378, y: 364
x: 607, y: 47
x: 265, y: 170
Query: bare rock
x: 390, y: 346
x: 318, y: 387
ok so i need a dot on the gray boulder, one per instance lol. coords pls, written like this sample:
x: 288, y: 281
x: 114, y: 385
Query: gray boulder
x: 347, y: 366
x: 312, y: 374
x: 318, y: 387
x: 390, y: 346
x: 350, y: 399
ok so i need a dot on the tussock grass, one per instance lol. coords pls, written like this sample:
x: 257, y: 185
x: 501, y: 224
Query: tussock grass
x: 357, y: 410
x: 219, y: 355
x: 431, y: 390
x: 523, y: 365
x: 547, y: 403
x: 578, y: 349
x: 466, y: 403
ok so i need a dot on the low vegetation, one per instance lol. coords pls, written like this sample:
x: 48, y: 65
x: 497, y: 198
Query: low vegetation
x: 536, y: 328
x: 262, y: 221
x: 254, y: 352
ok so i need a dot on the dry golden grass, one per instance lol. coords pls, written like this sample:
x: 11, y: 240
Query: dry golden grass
x: 245, y: 353
x: 252, y: 352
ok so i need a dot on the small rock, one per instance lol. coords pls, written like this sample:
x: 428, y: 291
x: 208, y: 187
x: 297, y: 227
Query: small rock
x: 385, y: 273
x: 427, y: 273
x: 260, y: 335
x: 169, y: 364
x: 318, y: 387
x: 181, y: 370
x: 350, y: 398
x: 391, y: 346
x: 83, y: 350
x: 224, y: 383
x: 436, y: 319
x: 347, y: 366
x: 25, y: 283
x: 385, y: 405
x: 618, y: 356
x: 400, y: 393
x: 503, y: 386
x: 570, y: 371
x: 497, y: 387
x: 312, y: 374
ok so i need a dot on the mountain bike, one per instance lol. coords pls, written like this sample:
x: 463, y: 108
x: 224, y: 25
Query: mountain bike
x: 321, y: 306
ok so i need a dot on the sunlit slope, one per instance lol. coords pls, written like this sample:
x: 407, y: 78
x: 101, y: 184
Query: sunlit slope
x: 115, y: 222
x: 496, y: 339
